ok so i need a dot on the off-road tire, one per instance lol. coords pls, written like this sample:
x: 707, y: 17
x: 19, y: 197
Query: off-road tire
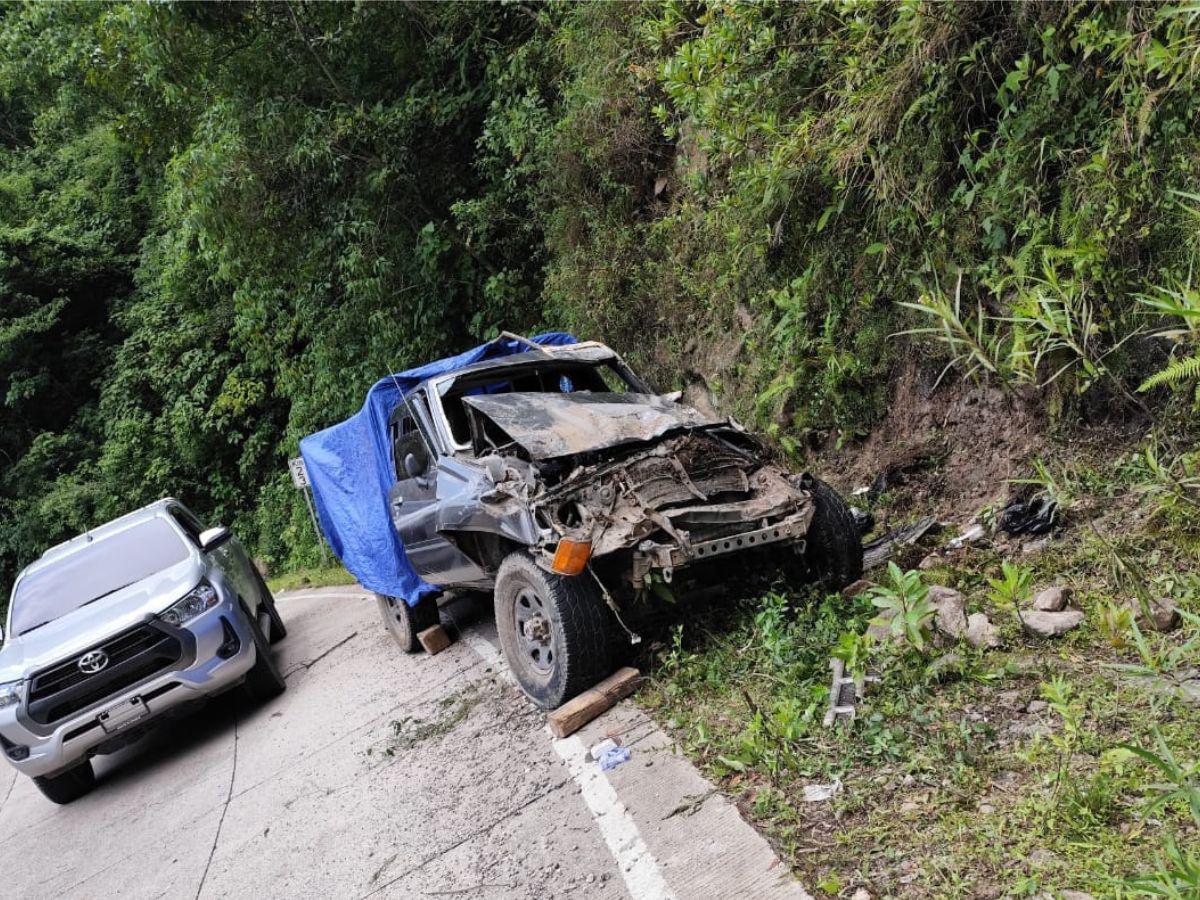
x: 264, y: 681
x: 405, y: 622
x: 833, y: 546
x: 579, y: 630
x: 278, y: 629
x: 69, y: 785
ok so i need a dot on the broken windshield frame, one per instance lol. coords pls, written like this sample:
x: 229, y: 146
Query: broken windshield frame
x: 578, y: 357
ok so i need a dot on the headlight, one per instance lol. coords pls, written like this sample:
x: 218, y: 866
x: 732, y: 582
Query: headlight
x: 10, y: 693
x: 196, y: 601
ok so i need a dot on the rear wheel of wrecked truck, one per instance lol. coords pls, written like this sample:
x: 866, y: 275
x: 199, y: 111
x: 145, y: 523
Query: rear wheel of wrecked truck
x: 405, y: 622
x: 833, y: 546
x: 553, y: 629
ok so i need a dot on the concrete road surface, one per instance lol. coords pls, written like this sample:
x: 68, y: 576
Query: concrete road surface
x: 382, y: 774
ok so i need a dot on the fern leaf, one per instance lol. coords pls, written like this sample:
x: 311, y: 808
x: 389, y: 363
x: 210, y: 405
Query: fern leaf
x: 1180, y: 370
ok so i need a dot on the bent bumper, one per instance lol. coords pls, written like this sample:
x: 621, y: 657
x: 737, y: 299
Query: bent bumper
x: 43, y: 750
x: 651, y: 556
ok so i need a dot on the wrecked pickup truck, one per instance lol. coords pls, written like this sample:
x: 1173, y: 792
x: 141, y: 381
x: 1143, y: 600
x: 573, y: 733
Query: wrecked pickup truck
x: 562, y: 482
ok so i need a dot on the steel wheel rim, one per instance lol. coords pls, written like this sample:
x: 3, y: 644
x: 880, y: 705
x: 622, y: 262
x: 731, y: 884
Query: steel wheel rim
x: 534, y: 630
x: 397, y: 620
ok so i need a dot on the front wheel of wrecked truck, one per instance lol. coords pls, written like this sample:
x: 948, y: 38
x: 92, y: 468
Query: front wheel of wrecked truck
x: 553, y: 630
x: 833, y: 545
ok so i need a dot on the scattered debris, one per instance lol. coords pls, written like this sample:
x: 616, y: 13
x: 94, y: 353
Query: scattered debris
x: 691, y: 804
x: 1051, y: 624
x: 879, y: 550
x: 409, y: 731
x: 818, y: 793
x: 1162, y: 614
x: 981, y: 632
x: 1034, y: 515
x: 574, y: 714
x: 951, y: 619
x: 613, y: 757
x: 1036, y: 546
x: 974, y: 533
x: 598, y: 750
x: 843, y: 694
x: 1052, y: 599
x: 863, y: 519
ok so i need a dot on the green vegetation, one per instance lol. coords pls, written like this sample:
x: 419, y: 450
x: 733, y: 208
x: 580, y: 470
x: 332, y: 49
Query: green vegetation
x: 329, y: 576
x: 1045, y: 765
x: 220, y: 223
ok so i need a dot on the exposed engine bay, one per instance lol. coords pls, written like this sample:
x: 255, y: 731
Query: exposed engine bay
x: 693, y: 495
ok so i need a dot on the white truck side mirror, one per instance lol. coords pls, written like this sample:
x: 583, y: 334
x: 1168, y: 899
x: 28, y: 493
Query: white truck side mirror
x: 212, y: 538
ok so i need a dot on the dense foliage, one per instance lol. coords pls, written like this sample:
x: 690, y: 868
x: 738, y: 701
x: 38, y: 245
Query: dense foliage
x: 220, y: 223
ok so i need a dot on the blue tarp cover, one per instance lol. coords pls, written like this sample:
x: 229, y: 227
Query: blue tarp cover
x: 350, y: 468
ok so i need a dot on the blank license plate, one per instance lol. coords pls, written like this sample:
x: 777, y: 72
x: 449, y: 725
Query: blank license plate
x: 123, y: 714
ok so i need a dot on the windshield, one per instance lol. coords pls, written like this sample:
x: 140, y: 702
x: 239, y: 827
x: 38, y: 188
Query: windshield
x: 95, y: 570
x: 554, y: 376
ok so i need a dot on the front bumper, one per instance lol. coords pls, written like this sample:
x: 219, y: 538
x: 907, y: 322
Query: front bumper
x: 35, y: 749
x: 666, y: 558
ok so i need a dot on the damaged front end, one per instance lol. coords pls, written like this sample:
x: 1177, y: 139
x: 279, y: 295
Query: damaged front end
x: 638, y: 485
x: 691, y: 498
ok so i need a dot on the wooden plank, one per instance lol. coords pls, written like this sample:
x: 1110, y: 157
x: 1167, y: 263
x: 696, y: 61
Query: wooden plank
x: 576, y: 713
x: 434, y: 639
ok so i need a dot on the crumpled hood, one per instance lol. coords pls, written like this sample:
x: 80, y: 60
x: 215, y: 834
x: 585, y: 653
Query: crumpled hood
x: 550, y: 425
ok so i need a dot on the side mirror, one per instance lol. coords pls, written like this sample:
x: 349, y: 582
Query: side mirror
x: 412, y: 467
x: 212, y: 538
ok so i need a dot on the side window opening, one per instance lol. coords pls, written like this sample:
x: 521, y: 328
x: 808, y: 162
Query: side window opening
x: 406, y: 439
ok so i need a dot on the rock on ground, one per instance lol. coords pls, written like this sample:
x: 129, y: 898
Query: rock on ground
x: 1163, y: 614
x: 981, y: 632
x: 1052, y: 599
x: 951, y: 618
x: 1051, y: 624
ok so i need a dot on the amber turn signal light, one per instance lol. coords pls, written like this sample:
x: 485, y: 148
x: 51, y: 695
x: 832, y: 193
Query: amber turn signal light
x: 571, y: 556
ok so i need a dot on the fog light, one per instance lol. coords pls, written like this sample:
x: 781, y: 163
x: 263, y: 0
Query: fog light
x: 231, y: 643
x: 571, y: 556
x: 13, y: 751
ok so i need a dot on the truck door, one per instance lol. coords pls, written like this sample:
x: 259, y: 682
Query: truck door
x: 413, y: 501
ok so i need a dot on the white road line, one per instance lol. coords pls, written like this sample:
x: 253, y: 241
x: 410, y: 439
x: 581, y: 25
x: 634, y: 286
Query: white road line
x: 639, y: 868
x: 490, y: 655
x: 314, y: 595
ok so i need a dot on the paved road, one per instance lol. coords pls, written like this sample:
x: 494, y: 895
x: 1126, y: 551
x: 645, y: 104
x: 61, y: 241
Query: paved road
x: 381, y: 774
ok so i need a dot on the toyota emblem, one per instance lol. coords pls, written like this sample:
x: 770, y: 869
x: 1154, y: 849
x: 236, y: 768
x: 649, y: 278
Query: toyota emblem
x: 92, y: 662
